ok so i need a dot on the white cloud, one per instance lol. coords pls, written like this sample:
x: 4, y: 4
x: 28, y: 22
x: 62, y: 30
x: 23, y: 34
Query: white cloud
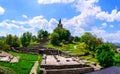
x: 111, y: 26
x: 113, y: 16
x: 54, y: 1
x: 2, y: 10
x: 104, y: 24
x: 30, y: 25
x: 8, y: 25
x: 24, y: 16
x: 88, y: 11
x: 111, y: 37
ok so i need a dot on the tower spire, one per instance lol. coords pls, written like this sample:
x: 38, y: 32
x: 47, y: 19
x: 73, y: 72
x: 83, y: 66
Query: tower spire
x: 60, y: 24
x: 60, y: 21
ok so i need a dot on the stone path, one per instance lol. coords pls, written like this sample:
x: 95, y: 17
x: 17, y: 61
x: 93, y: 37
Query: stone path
x: 34, y: 68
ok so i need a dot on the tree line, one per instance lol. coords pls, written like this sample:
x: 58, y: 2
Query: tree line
x: 102, y: 51
x: 6, y: 42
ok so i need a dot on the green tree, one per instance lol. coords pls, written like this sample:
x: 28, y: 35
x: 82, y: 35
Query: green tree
x: 54, y: 39
x: 12, y: 41
x: 4, y: 46
x: 105, y: 55
x: 26, y: 39
x: 91, y: 40
x: 16, y: 41
x: 34, y: 38
x: 43, y: 34
x: 76, y: 39
x: 64, y: 35
x: 2, y: 37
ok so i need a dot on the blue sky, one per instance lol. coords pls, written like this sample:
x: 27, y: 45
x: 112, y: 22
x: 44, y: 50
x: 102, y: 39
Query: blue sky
x: 100, y: 17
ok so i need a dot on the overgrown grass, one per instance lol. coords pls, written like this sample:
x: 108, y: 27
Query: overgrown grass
x: 77, y: 49
x: 73, y: 48
x: 24, y: 65
x: 7, y: 70
x: 33, y: 42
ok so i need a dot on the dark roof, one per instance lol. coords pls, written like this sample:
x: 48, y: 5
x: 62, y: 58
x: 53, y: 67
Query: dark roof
x: 109, y: 70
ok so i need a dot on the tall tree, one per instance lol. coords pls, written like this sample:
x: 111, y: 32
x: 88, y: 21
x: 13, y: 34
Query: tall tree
x: 76, y: 39
x: 54, y: 39
x: 13, y: 41
x: 4, y: 46
x: 34, y: 38
x: 91, y: 40
x: 26, y: 38
x: 63, y: 34
x: 42, y: 34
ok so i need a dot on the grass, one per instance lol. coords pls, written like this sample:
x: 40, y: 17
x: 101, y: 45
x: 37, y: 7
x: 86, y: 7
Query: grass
x: 24, y: 65
x: 77, y: 49
x: 35, y: 42
x: 70, y: 47
x: 39, y: 59
x: 7, y: 70
x: 31, y: 43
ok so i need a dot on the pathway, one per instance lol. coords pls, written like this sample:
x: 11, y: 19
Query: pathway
x: 34, y: 68
x: 75, y: 46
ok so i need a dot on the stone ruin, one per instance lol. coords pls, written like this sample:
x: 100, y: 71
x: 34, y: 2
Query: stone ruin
x: 6, y: 57
x: 54, y: 63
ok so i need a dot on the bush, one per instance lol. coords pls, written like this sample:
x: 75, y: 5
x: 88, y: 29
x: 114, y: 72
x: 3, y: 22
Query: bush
x: 26, y: 39
x: 54, y: 39
x: 4, y: 46
x: 105, y: 55
x: 117, y: 59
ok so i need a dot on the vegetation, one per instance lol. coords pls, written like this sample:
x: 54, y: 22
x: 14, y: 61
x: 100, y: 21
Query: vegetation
x: 88, y: 46
x: 4, y: 46
x: 60, y: 35
x: 6, y: 70
x: 42, y: 34
x: 13, y: 41
x: 26, y: 39
x: 105, y: 55
x: 76, y: 39
x: 54, y: 39
x: 25, y: 63
x: 91, y: 40
x: 117, y: 59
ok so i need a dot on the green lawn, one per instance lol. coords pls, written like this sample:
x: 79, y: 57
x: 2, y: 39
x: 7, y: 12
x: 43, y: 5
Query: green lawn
x: 24, y: 65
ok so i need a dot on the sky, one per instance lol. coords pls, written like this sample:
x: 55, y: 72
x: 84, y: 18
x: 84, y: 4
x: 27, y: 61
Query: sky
x: 100, y: 17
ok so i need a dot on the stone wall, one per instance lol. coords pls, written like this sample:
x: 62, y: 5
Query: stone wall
x: 68, y: 71
x: 26, y: 50
x: 63, y: 66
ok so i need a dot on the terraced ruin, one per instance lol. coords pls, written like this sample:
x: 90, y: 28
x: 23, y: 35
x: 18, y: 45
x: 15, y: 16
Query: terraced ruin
x: 6, y: 57
x: 54, y: 63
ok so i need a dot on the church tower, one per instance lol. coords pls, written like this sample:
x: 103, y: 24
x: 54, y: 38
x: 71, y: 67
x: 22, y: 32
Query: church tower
x: 60, y: 24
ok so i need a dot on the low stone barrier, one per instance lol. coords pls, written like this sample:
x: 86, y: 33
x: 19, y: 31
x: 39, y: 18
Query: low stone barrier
x: 63, y: 66
x: 68, y: 71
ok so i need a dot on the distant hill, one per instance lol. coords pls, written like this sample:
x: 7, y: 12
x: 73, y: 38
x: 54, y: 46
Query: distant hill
x: 117, y: 45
